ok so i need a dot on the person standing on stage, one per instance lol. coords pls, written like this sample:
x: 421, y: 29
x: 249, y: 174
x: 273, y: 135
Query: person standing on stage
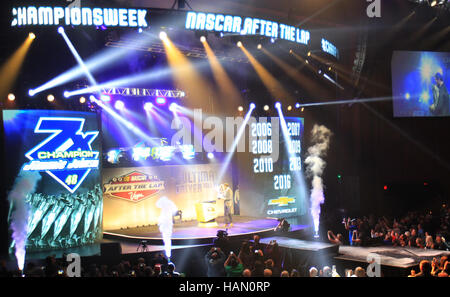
x: 237, y: 199
x: 440, y: 106
x: 227, y: 195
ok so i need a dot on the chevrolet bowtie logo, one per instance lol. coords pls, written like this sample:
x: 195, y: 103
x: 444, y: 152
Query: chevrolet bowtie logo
x: 281, y: 201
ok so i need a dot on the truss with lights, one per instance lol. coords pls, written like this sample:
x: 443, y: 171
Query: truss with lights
x: 159, y: 48
x: 141, y: 92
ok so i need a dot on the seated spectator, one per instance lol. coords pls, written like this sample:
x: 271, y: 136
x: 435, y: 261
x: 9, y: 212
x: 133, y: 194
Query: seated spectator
x: 360, y: 272
x: 171, y: 271
x: 233, y: 266
x: 425, y: 269
x: 419, y: 243
x: 313, y: 272
x: 258, y: 270
x: 267, y: 272
x: 327, y: 271
x: 429, y: 244
x: 439, y: 244
x: 445, y: 271
x: 295, y: 273
x: 284, y: 273
x: 246, y: 255
x: 247, y: 273
x: 215, y: 260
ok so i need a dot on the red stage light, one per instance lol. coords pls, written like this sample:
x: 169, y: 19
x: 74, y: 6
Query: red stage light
x: 385, y: 188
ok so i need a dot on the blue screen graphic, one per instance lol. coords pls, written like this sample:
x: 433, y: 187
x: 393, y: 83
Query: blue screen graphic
x: 65, y: 149
x: 420, y: 83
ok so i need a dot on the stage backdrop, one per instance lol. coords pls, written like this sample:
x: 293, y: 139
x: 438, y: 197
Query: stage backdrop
x: 130, y: 194
x: 270, y: 184
x: 60, y: 151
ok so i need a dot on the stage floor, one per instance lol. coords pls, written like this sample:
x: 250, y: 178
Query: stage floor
x: 190, y: 231
x: 305, y: 245
x: 390, y: 256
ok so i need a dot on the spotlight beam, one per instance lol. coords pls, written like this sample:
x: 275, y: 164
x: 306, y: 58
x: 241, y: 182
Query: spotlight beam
x: 231, y: 150
x: 92, y: 63
x: 352, y: 101
x: 77, y: 57
x: 227, y: 88
x: 10, y: 69
x: 271, y: 83
x: 133, y: 79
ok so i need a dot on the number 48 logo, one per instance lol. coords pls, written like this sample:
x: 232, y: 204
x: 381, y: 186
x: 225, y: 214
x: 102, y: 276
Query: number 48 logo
x: 71, y: 179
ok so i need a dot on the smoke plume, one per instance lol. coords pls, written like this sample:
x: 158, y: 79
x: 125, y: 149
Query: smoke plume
x: 315, y: 165
x: 24, y: 185
x: 165, y: 222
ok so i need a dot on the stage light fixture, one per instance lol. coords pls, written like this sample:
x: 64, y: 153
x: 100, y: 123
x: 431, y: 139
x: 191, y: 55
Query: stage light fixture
x: 433, y: 3
x: 272, y: 40
x: 119, y: 105
x: 329, y: 68
x: 259, y: 46
x: 297, y: 105
x: 240, y: 108
x: 140, y: 30
x: 307, y: 62
x: 160, y: 100
x: 60, y: 30
x: 302, y: 109
x: 289, y: 108
x: 309, y: 54
x: 148, y: 106
x: 105, y: 98
x: 266, y: 107
x: 50, y: 98
x: 31, y: 92
x: 278, y: 105
x: 163, y: 35
x: 173, y: 107
x: 252, y: 105
x: 66, y: 94
x: 31, y: 35
x: 82, y: 100
x: 210, y: 156
x: 202, y: 38
x: 239, y: 44
x: 291, y: 51
x: 320, y: 71
x: 11, y: 97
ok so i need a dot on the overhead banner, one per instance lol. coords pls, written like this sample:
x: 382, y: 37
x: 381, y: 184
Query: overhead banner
x: 130, y: 194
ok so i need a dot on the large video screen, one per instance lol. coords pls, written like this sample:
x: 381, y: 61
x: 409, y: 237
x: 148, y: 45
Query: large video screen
x: 420, y: 84
x: 271, y: 182
x: 60, y: 153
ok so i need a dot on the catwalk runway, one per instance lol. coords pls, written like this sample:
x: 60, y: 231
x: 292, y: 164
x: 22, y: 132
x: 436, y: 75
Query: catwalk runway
x: 390, y: 256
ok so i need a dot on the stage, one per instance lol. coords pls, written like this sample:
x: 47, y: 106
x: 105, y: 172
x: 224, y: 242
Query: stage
x: 188, y: 233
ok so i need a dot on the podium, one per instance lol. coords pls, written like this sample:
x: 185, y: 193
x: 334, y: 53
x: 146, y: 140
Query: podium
x: 206, y: 213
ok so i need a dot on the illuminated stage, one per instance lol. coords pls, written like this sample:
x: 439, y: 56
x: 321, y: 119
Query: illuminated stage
x: 190, y: 233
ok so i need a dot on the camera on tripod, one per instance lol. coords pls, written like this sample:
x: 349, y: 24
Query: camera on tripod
x: 143, y: 246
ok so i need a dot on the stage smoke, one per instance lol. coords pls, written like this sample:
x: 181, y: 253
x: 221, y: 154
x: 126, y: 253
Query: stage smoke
x: 165, y: 222
x: 24, y: 185
x: 315, y: 165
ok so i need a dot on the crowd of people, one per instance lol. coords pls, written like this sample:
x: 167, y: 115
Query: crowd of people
x: 252, y: 260
x: 157, y: 266
x: 414, y: 229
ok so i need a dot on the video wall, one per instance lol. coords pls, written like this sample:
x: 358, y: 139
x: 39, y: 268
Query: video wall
x: 270, y: 174
x: 420, y: 84
x: 63, y: 149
